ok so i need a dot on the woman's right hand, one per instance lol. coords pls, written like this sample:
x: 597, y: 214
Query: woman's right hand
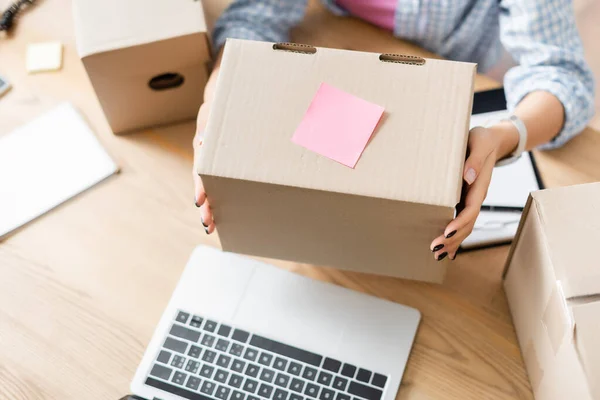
x: 200, y: 198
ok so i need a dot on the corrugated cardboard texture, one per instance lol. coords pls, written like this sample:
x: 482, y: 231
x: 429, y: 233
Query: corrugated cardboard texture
x: 273, y: 198
x: 552, y: 288
x: 124, y: 44
x: 115, y: 24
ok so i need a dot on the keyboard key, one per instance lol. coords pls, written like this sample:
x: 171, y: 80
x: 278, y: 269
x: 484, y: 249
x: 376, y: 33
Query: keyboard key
x: 207, y: 371
x: 179, y: 391
x: 265, y: 359
x: 364, y: 391
x: 224, y: 330
x: 331, y: 365
x: 192, y: 366
x: 349, y: 370
x: 295, y: 396
x: 309, y: 373
x: 195, y: 351
x: 363, y: 375
x: 250, y: 385
x: 161, y: 372
x: 193, y: 382
x: 221, y: 376
x: 286, y: 350
x: 175, y: 345
x: 208, y: 388
x: 252, y: 370
x: 179, y: 378
x: 222, y: 345
x: 237, y: 395
x: 265, y: 391
x: 252, y: 398
x: 240, y: 335
x: 311, y: 390
x: 325, y: 378
x: 208, y: 340
x: 236, y: 349
x: 342, y: 396
x: 182, y: 317
x: 267, y: 375
x: 340, y: 383
x: 294, y: 368
x: 250, y: 354
x: 236, y: 380
x: 280, y: 364
x: 164, y: 357
x: 238, y: 366
x: 222, y: 392
x: 178, y: 361
x: 326, y: 394
x: 297, y: 385
x: 282, y: 380
x: 184, y: 333
x: 196, y: 321
x: 223, y: 361
x: 210, y: 326
x: 209, y: 356
x: 280, y: 394
x: 377, y: 380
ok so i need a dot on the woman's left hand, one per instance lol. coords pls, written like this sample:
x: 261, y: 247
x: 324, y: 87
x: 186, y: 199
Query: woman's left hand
x: 485, y: 148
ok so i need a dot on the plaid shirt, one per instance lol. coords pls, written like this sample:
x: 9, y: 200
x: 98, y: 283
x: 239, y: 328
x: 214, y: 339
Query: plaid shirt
x: 539, y: 34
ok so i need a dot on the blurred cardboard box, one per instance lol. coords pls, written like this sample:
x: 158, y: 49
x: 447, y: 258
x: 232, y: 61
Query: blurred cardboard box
x: 146, y: 60
x: 273, y: 198
x: 552, y: 284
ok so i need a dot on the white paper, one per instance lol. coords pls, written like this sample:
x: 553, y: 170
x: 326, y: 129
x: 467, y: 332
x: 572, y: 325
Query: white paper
x: 493, y: 227
x: 46, y: 162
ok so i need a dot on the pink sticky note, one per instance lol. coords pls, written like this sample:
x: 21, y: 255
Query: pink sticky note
x: 337, y: 125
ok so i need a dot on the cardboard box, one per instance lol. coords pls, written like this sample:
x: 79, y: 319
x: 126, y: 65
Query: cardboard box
x: 146, y: 61
x: 552, y: 284
x: 273, y: 198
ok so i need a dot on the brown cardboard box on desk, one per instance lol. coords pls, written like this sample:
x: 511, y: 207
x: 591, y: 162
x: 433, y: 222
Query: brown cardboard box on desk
x: 274, y: 198
x: 553, y: 287
x: 146, y: 60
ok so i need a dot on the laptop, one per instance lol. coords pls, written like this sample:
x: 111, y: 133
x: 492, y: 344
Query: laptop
x: 238, y: 329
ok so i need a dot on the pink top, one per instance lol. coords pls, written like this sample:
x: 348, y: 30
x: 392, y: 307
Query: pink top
x: 377, y: 12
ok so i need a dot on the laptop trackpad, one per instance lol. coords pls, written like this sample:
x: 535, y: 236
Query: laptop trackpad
x: 325, y: 318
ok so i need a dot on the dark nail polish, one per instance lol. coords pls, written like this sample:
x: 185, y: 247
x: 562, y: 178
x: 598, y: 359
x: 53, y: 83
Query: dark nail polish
x: 442, y: 256
x: 453, y: 258
x: 203, y: 224
x: 437, y: 248
x: 448, y: 236
x: 196, y: 203
x: 206, y: 230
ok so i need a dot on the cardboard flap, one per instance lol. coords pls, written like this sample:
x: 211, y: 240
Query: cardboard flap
x: 570, y: 217
x: 112, y: 24
x: 416, y: 153
x: 587, y: 333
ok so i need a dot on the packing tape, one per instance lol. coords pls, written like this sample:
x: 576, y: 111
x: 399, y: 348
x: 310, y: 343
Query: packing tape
x: 536, y: 373
x: 557, y: 318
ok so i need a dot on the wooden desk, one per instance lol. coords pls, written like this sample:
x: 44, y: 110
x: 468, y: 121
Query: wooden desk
x: 82, y: 288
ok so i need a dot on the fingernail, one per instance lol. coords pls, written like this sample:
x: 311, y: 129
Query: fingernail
x: 442, y: 256
x: 470, y: 176
x: 448, y: 236
x: 196, y: 202
x: 437, y: 248
x: 453, y: 258
x: 205, y: 229
x: 203, y: 224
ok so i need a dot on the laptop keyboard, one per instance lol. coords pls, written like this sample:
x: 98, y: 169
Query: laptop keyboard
x: 202, y: 359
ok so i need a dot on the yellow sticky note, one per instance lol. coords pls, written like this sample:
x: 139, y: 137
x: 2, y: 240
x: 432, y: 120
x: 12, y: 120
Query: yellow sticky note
x: 45, y: 56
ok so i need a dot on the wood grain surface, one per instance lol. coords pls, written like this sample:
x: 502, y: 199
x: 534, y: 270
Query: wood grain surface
x: 82, y: 288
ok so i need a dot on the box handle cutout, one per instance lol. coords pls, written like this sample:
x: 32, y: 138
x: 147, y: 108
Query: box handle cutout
x: 170, y: 80
x: 401, y: 59
x: 295, y: 48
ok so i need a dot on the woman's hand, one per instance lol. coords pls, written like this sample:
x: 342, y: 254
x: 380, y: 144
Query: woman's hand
x: 486, y: 147
x: 200, y: 199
